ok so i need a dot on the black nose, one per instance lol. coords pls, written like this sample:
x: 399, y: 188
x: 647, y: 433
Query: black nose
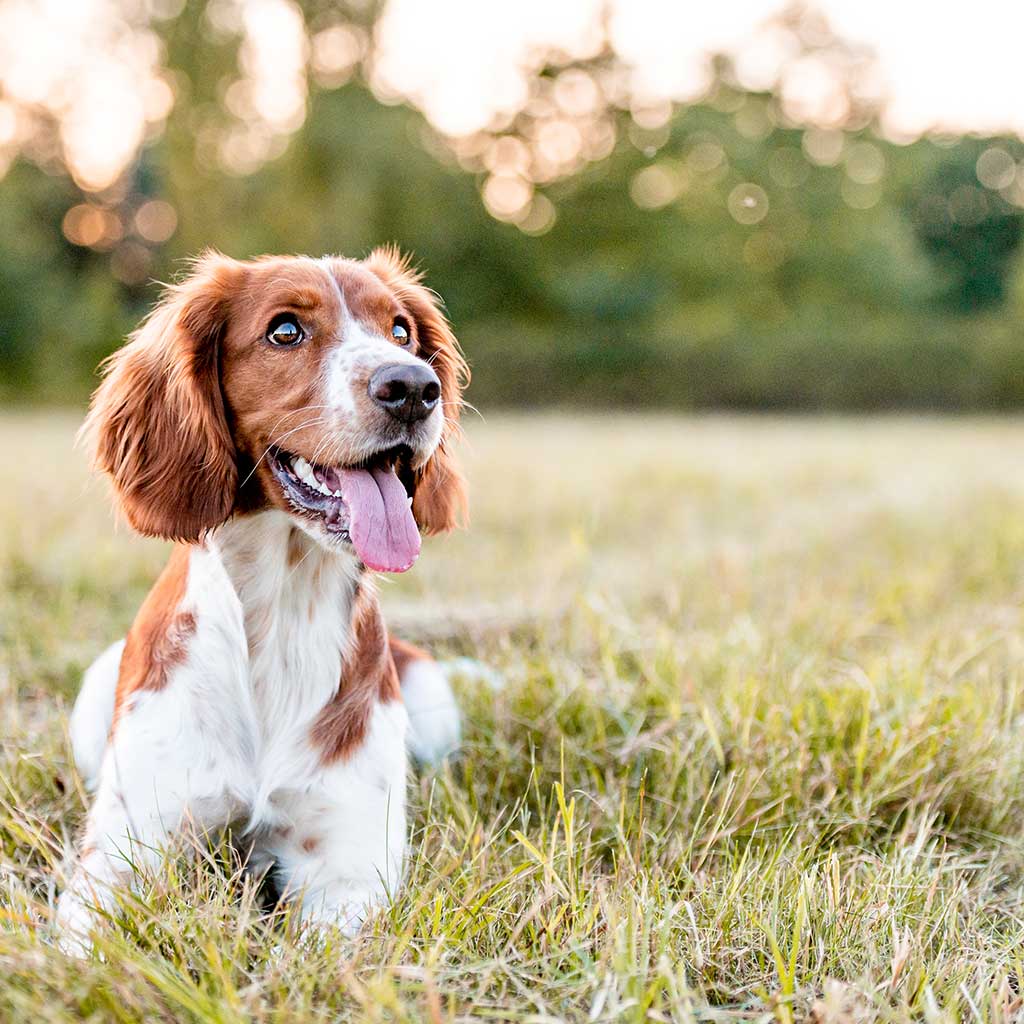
x: 409, y: 391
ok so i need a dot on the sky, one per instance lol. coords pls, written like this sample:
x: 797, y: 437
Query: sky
x: 946, y: 64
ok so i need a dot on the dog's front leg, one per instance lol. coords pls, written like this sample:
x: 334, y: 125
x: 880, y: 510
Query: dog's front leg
x: 161, y: 776
x: 342, y: 851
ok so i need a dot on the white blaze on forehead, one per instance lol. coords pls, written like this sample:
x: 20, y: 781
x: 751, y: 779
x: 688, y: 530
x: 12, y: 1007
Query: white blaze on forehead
x: 358, y: 349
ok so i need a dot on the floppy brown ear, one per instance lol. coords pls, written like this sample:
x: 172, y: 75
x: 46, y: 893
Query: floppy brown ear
x: 440, y: 502
x: 157, y: 423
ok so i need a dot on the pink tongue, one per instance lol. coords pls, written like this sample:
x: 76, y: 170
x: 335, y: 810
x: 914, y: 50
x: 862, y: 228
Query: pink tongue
x: 381, y: 523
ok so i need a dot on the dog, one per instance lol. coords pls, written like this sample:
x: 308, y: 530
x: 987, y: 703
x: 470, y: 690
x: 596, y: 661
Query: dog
x: 288, y: 422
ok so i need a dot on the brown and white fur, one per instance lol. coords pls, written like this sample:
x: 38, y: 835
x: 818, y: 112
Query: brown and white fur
x: 258, y: 687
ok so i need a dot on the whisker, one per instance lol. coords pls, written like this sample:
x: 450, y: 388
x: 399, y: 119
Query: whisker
x: 276, y: 443
x: 296, y: 412
x: 472, y: 408
x: 322, y: 446
x: 280, y: 419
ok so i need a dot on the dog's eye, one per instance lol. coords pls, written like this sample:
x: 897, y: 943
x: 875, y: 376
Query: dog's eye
x: 284, y: 330
x: 400, y: 330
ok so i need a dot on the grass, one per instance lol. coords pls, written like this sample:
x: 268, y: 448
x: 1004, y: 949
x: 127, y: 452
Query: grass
x: 758, y: 753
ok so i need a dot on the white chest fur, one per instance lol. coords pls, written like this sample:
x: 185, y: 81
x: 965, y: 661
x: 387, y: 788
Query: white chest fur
x: 296, y: 604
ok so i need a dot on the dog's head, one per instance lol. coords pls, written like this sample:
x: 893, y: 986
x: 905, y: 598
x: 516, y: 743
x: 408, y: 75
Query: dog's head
x: 329, y: 389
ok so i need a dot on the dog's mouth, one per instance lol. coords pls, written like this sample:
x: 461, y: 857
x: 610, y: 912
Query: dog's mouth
x: 368, y: 505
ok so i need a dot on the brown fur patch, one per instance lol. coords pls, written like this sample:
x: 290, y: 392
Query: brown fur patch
x: 158, y: 639
x: 368, y: 678
x: 404, y: 654
x: 296, y: 547
x: 310, y: 844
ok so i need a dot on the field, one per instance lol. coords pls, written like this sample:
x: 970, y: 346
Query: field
x: 757, y: 754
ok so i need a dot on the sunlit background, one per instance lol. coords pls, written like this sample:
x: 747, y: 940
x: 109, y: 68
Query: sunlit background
x: 741, y: 204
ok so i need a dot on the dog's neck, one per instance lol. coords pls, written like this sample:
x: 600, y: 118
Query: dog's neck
x: 272, y: 563
x: 297, y: 603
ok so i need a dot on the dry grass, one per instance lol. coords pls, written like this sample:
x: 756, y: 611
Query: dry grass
x: 758, y: 753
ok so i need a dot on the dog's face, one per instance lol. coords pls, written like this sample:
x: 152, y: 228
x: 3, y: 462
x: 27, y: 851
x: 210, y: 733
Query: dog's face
x: 326, y: 388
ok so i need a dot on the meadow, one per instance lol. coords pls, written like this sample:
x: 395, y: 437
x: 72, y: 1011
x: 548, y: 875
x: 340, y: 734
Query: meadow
x: 756, y: 753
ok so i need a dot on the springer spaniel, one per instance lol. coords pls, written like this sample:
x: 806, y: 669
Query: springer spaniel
x: 287, y: 422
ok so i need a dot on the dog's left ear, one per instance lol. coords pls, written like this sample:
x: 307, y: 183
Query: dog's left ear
x: 440, y: 503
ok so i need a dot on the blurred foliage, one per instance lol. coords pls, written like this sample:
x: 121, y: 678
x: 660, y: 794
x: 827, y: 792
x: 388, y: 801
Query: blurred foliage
x: 973, y: 231
x: 722, y: 255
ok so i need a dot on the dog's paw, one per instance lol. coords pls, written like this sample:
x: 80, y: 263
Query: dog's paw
x: 72, y: 926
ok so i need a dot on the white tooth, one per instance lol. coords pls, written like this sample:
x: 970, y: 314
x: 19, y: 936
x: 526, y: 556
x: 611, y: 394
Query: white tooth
x: 305, y: 471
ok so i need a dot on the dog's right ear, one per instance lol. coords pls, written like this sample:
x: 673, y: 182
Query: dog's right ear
x: 157, y: 425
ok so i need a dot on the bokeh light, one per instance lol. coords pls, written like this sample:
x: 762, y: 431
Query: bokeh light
x: 92, y: 70
x: 859, y: 195
x: 864, y: 162
x: 824, y: 146
x: 705, y: 157
x: 655, y: 186
x: 540, y: 217
x: 336, y: 53
x: 507, y: 196
x: 92, y: 226
x: 130, y: 263
x: 155, y: 221
x: 996, y: 169
x: 748, y: 203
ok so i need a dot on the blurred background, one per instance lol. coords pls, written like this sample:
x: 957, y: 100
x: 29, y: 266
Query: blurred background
x: 623, y: 202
